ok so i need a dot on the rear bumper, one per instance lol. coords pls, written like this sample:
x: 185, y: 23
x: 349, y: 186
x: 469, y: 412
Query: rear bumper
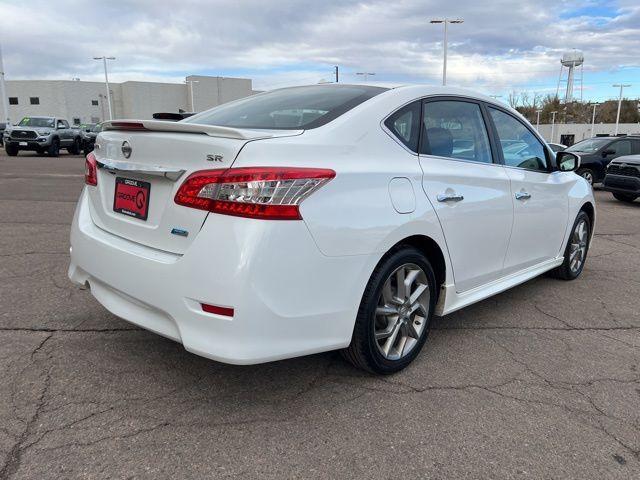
x: 622, y: 184
x: 288, y: 298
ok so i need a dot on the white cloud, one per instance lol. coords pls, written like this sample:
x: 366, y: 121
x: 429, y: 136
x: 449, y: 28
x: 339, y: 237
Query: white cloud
x: 288, y: 41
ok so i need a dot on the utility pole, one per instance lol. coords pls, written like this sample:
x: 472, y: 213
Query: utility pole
x: 337, y: 79
x: 106, y: 82
x: 3, y: 92
x: 366, y: 75
x: 446, y: 22
x: 593, y: 119
x: 538, y: 121
x: 622, y: 86
x: 190, y: 83
x: 553, y: 125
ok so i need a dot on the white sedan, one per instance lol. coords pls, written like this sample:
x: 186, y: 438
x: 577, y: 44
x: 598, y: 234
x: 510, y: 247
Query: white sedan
x: 323, y: 217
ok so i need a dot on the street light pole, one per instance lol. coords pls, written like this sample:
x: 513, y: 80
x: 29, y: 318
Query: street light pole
x: 622, y: 86
x: 366, y: 75
x: 593, y: 119
x: 3, y: 92
x: 190, y: 83
x: 445, y: 21
x: 553, y: 125
x: 106, y: 82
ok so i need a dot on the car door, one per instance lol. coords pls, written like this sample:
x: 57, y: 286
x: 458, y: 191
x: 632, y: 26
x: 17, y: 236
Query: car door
x: 467, y: 187
x: 63, y: 131
x: 539, y: 195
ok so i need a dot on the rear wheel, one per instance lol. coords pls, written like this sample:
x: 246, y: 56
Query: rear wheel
x: 395, y: 313
x: 11, y: 150
x: 54, y: 148
x: 575, y: 255
x: 587, y: 174
x: 625, y: 197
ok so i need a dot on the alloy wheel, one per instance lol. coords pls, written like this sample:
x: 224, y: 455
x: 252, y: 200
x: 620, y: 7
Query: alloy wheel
x: 578, y: 250
x: 588, y: 176
x: 402, y: 312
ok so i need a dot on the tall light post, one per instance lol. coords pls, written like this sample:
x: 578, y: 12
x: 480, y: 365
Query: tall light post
x: 622, y: 86
x: 445, y: 21
x: 365, y: 75
x: 593, y: 119
x: 106, y: 82
x: 538, y: 112
x: 553, y: 125
x: 190, y: 83
x: 3, y: 92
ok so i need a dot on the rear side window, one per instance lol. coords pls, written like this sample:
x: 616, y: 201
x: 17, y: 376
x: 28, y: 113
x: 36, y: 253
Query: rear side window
x: 520, y: 147
x: 455, y: 129
x: 405, y: 125
x: 294, y: 108
x: 621, y: 147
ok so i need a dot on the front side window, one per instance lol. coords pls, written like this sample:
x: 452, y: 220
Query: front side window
x: 296, y: 108
x: 520, y: 147
x: 455, y: 129
x: 621, y: 147
x: 405, y: 125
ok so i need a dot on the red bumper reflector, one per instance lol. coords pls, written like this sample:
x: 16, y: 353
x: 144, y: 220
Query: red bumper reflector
x: 227, y: 312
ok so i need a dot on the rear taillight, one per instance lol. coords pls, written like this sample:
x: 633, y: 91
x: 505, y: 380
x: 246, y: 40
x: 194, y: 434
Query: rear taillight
x: 272, y: 193
x: 91, y: 170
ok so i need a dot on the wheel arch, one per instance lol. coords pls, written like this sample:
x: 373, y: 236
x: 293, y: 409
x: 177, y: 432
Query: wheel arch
x: 430, y: 248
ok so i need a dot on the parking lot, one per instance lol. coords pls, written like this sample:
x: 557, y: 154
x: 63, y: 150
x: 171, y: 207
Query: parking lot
x: 542, y: 381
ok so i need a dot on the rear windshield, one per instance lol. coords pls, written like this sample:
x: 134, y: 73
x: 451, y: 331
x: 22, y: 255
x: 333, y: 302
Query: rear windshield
x: 294, y: 108
x: 589, y: 145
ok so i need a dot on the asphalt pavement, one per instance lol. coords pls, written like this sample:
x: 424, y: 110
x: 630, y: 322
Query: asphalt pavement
x: 542, y: 381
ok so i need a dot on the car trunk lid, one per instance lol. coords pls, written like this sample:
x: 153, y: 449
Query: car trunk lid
x: 159, y: 156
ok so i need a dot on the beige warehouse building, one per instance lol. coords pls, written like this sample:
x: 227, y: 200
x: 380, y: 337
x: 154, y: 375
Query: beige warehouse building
x: 86, y: 102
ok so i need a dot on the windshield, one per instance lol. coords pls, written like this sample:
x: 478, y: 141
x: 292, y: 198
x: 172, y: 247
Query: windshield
x: 589, y: 145
x: 288, y: 108
x: 36, y: 122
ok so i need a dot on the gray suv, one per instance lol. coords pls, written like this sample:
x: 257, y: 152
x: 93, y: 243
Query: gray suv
x: 43, y: 135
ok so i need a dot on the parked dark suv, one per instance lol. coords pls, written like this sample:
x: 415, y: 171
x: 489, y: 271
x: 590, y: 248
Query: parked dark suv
x: 596, y: 153
x: 623, y: 178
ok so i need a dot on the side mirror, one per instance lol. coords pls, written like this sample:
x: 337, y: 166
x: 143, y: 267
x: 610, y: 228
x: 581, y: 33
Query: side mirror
x: 608, y: 151
x: 567, y: 161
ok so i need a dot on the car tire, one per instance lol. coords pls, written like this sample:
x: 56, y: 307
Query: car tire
x: 74, y: 148
x: 11, y: 150
x: 54, y: 148
x: 389, y: 333
x: 577, y: 242
x: 625, y: 197
x: 587, y: 174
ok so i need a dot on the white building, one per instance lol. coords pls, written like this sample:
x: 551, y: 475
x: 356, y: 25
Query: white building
x: 570, y: 133
x: 86, y: 102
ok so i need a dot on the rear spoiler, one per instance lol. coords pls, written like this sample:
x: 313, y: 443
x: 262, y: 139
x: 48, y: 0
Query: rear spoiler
x: 165, y: 126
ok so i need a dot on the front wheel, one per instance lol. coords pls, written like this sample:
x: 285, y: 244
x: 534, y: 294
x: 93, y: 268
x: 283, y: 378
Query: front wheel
x: 54, y: 148
x: 575, y: 255
x: 74, y: 149
x: 587, y: 174
x: 393, y: 320
x: 625, y: 197
x: 11, y: 150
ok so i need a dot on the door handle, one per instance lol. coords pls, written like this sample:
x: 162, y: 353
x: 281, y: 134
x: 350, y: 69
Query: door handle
x: 523, y: 196
x: 449, y: 197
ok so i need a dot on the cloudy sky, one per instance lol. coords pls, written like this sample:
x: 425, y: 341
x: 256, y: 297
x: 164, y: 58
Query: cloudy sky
x: 502, y: 45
